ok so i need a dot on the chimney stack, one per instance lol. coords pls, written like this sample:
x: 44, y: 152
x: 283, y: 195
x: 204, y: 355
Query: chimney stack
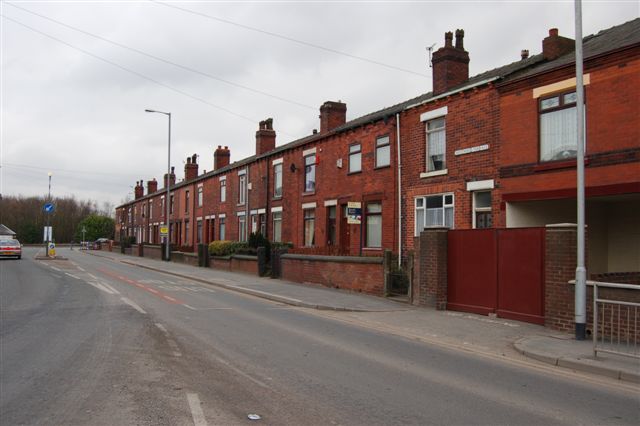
x: 191, y: 168
x: 221, y: 157
x: 555, y: 46
x: 152, y: 186
x: 332, y: 115
x: 139, y: 190
x: 265, y: 137
x: 450, y: 64
x: 172, y: 178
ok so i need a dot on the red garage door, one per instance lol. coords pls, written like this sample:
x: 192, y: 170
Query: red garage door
x: 497, y: 270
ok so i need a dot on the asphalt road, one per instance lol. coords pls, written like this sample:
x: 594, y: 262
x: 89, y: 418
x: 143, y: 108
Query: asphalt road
x: 91, y: 341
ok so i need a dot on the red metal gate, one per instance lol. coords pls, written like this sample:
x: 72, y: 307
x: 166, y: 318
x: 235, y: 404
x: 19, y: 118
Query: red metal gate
x: 497, y: 270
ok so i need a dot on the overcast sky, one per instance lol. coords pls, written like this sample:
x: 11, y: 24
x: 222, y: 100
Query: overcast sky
x: 78, y: 75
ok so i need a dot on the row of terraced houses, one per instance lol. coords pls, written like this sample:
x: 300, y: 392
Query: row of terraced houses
x: 496, y: 150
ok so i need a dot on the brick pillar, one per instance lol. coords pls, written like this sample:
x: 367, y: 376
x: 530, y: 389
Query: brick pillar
x: 430, y: 270
x: 560, y: 267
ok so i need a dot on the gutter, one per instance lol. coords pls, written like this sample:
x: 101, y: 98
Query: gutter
x: 453, y: 92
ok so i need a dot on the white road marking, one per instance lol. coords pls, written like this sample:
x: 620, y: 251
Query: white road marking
x: 55, y: 269
x: 72, y: 276
x: 189, y: 307
x: 111, y: 288
x: 170, y: 298
x: 133, y: 305
x: 100, y: 287
x: 162, y: 328
x: 93, y: 276
x: 81, y: 269
x: 196, y: 409
x: 240, y: 372
x: 174, y: 346
x: 153, y: 290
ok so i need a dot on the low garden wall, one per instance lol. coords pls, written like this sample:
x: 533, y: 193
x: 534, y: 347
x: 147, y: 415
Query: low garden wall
x: 235, y: 263
x: 361, y: 274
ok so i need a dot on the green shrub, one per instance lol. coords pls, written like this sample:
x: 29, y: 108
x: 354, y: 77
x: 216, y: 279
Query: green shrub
x: 225, y: 248
x: 220, y: 248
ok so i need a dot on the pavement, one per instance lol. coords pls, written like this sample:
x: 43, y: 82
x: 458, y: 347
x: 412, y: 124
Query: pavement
x: 486, y: 335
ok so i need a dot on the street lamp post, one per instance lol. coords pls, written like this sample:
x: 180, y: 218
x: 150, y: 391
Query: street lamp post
x: 48, y: 228
x: 167, y: 201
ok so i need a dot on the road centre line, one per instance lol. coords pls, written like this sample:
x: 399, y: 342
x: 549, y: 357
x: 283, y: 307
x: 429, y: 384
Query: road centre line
x: 80, y: 268
x: 152, y: 290
x: 133, y: 305
x: 189, y: 307
x: 56, y: 269
x: 162, y: 328
x: 73, y: 276
x: 196, y: 409
x: 169, y: 298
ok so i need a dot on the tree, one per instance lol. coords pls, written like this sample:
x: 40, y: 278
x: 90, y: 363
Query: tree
x: 96, y: 226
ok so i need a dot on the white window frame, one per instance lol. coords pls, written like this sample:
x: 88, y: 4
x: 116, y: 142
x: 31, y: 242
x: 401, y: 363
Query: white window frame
x: 223, y: 189
x: 278, y: 186
x: 200, y: 196
x: 417, y: 228
x: 276, y: 217
x: 355, y: 149
x: 242, y: 188
x: 380, y: 144
x: 476, y: 209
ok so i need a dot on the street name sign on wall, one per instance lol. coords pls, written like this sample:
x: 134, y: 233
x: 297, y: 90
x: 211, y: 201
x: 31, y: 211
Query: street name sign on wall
x: 354, y: 213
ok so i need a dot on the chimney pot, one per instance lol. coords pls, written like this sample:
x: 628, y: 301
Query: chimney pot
x: 459, y: 39
x: 524, y: 53
x: 448, y: 39
x: 553, y: 32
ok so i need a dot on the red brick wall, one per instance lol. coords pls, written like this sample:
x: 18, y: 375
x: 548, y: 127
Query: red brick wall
x: 612, y: 111
x: 247, y: 266
x: 356, y: 276
x: 470, y: 121
x: 430, y: 270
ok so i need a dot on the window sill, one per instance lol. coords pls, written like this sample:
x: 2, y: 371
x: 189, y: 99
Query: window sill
x: 382, y: 167
x: 371, y: 248
x: 354, y: 173
x: 434, y: 173
x: 308, y: 194
x: 240, y: 205
x: 276, y: 197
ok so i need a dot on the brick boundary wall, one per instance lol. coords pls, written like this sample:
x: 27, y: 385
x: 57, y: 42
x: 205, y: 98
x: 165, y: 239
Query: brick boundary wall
x: 235, y: 263
x: 430, y: 269
x: 153, y: 251
x: 244, y: 264
x: 560, y: 266
x: 360, y: 274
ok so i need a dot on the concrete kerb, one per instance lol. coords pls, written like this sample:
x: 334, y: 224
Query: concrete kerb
x: 577, y: 364
x: 252, y: 292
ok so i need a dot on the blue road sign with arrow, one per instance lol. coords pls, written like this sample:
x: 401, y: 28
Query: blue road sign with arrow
x: 48, y: 208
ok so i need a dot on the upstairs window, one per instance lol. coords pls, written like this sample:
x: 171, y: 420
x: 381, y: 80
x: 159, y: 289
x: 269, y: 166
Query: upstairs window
x: 223, y: 190
x: 171, y: 205
x: 277, y: 180
x: 186, y: 201
x: 558, y: 127
x: 383, y: 152
x: 200, y: 196
x: 310, y: 173
x: 436, y: 144
x: 242, y: 189
x: 355, y: 158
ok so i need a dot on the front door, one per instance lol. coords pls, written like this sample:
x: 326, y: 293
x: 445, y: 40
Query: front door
x: 345, y: 237
x: 331, y: 226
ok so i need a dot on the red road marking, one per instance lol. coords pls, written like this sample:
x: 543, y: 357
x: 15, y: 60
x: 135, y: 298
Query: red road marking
x: 150, y: 290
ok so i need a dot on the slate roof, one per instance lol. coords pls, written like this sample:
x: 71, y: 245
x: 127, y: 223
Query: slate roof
x: 609, y: 40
